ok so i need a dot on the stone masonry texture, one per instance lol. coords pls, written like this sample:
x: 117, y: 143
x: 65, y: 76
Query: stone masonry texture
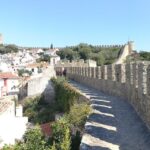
x: 113, y: 124
x: 127, y: 81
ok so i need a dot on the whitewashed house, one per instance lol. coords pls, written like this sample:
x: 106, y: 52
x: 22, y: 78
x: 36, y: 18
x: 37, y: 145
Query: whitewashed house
x: 27, y: 58
x: 12, y: 124
x: 36, y: 68
x: 40, y: 51
x: 51, y: 52
x: 8, y: 84
x: 4, y: 67
x: 54, y: 58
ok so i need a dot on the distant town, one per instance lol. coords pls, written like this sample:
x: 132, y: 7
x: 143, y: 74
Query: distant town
x: 18, y: 68
x: 53, y: 98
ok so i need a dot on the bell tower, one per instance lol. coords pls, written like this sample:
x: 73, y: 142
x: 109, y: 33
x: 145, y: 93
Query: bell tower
x: 131, y: 46
x: 1, y: 38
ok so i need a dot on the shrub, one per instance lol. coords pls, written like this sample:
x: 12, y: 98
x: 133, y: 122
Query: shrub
x: 67, y: 100
x: 66, y: 95
x: 78, y: 115
x: 38, y: 111
x: 61, y: 134
x: 33, y: 140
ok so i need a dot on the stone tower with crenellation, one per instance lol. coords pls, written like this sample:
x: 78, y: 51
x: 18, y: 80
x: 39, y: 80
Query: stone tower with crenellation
x: 131, y: 46
x: 1, y: 38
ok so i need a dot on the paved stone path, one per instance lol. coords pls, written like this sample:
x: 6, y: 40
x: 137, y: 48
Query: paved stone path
x: 113, y: 125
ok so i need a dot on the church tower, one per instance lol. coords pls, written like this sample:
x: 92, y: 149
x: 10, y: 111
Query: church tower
x: 131, y: 46
x: 1, y: 38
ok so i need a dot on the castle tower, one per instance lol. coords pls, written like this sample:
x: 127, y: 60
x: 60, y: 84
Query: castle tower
x: 131, y: 46
x: 1, y: 38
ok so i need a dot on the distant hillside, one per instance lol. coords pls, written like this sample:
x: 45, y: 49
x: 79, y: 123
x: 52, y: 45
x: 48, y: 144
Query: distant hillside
x: 8, y: 48
x: 101, y: 54
x: 139, y: 56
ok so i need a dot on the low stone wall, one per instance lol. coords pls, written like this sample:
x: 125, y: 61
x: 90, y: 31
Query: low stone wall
x: 37, y: 85
x: 130, y: 82
x: 41, y: 85
x: 75, y: 63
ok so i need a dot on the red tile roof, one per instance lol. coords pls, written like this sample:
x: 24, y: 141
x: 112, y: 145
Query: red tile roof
x: 4, y: 105
x: 35, y: 65
x: 8, y: 75
x: 46, y: 129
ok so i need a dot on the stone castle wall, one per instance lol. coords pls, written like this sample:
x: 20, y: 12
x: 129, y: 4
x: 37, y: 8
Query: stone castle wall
x: 37, y: 85
x: 40, y: 84
x: 76, y: 63
x: 128, y: 81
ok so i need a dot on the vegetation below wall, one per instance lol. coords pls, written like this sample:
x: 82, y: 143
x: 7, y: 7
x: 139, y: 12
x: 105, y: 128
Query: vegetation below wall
x: 141, y: 56
x: 8, y: 49
x: 43, y: 58
x: 21, y: 72
x: 38, y: 111
x: 76, y: 111
x: 67, y: 131
x: 144, y: 56
x: 85, y: 51
x: 66, y: 95
x: 33, y: 140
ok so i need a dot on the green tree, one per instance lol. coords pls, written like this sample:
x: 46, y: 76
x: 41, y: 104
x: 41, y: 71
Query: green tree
x: 14, y: 147
x: 43, y: 57
x: 11, y: 48
x: 66, y: 142
x: 23, y: 71
x: 100, y: 59
x: 85, y: 53
x: 145, y: 55
x: 75, y: 56
x: 51, y: 46
x: 53, y: 147
x: 66, y: 95
x: 34, y: 139
x: 2, y: 49
x: 78, y: 115
x: 45, y: 49
x: 7, y: 147
x: 61, y: 134
x: 102, y: 55
x: 59, y: 128
x: 67, y: 53
x: 83, y: 45
x: 46, y: 58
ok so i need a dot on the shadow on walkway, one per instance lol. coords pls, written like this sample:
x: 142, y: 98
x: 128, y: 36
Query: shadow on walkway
x: 113, y: 125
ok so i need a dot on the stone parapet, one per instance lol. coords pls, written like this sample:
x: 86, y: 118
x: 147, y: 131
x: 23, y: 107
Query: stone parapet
x: 76, y: 63
x: 129, y: 81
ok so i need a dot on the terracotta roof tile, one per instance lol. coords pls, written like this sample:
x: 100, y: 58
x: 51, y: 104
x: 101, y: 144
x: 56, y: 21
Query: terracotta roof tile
x: 8, y: 75
x: 37, y: 65
x: 4, y: 105
x: 46, y: 129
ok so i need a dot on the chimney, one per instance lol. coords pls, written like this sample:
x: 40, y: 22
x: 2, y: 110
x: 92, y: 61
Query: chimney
x: 19, y: 111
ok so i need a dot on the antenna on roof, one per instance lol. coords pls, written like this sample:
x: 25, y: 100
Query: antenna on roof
x: 128, y: 38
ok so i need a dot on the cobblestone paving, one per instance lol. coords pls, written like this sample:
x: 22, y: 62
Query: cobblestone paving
x: 113, y: 125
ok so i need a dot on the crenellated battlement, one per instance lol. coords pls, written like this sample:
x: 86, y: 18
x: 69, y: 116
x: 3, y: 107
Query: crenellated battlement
x: 102, y: 46
x: 75, y: 63
x: 129, y: 81
x: 109, y: 46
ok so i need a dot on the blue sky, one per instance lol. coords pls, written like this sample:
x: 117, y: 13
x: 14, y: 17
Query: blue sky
x: 70, y: 22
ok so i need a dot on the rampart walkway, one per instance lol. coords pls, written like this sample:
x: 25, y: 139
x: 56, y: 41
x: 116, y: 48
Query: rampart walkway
x: 114, y: 125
